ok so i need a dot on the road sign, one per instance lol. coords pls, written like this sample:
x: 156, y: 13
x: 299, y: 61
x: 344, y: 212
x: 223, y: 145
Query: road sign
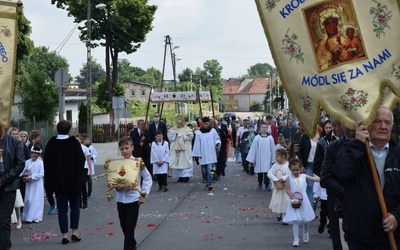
x: 122, y: 113
x: 61, y: 77
x: 118, y: 102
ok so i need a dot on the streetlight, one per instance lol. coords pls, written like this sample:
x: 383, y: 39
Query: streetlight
x: 103, y: 7
x: 89, y: 71
x: 174, y: 60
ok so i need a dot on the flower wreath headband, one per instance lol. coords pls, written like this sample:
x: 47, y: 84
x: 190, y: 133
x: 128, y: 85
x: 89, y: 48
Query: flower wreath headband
x: 36, y: 151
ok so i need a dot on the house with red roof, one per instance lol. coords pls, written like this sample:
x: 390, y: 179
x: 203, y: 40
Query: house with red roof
x: 241, y: 94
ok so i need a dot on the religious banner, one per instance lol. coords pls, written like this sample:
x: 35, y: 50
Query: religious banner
x: 338, y: 55
x: 8, y: 48
x: 186, y: 96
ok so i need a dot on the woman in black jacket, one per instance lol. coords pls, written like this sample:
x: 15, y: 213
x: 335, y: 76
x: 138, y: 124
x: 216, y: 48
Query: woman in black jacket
x: 307, y: 149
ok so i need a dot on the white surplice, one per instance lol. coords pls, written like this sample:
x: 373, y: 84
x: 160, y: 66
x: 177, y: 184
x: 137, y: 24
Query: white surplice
x: 159, y: 152
x: 262, y: 153
x: 34, y: 191
x: 204, y: 146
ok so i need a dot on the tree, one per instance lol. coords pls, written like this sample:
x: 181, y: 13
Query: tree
x: 39, y: 97
x: 24, y: 43
x: 45, y: 61
x: 98, y: 73
x: 152, y: 76
x: 38, y: 90
x: 82, y: 118
x: 186, y: 75
x: 126, y: 72
x: 139, y: 108
x: 123, y: 27
x: 261, y: 70
x: 101, y: 99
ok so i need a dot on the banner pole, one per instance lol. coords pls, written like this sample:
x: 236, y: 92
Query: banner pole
x: 378, y: 190
x: 198, y: 99
x: 212, y: 102
x: 147, y: 114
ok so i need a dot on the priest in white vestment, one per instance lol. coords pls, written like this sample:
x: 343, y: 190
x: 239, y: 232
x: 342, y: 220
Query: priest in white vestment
x: 181, y: 162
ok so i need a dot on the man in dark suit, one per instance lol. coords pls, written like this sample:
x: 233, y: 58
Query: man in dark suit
x: 141, y: 140
x: 221, y: 155
x: 157, y: 125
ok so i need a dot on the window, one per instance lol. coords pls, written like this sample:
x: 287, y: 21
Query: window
x: 132, y: 92
x: 69, y: 115
x: 231, y: 97
x: 143, y: 92
x: 229, y: 106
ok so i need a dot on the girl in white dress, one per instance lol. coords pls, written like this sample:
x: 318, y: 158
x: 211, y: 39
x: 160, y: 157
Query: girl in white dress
x: 32, y: 175
x: 278, y: 175
x: 295, y: 184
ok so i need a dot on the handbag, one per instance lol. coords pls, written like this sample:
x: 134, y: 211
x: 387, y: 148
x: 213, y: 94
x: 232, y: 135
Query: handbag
x: 279, y: 184
x: 296, y: 200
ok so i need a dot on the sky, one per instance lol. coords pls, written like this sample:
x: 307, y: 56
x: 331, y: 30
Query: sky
x: 229, y: 31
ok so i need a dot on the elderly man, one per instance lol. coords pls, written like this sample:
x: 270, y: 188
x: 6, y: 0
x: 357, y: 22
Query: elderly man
x: 363, y: 224
x: 12, y: 162
x: 181, y: 162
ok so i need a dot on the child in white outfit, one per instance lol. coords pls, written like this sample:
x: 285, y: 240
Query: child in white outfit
x: 295, y: 185
x: 160, y: 158
x: 278, y: 174
x: 32, y: 175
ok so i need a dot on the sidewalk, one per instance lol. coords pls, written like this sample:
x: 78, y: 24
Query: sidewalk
x: 104, y: 151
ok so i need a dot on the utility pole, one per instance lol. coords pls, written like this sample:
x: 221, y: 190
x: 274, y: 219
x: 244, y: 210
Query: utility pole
x: 173, y: 61
x: 89, y: 70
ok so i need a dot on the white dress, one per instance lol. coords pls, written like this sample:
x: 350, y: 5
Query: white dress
x: 262, y: 153
x: 280, y: 199
x: 305, y: 213
x: 34, y: 191
x: 159, y: 152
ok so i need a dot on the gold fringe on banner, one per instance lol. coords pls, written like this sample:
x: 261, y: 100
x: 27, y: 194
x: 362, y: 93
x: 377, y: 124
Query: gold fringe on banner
x: 8, y: 49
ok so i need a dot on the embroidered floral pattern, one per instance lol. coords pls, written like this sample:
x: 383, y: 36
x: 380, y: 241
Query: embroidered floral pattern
x: 6, y: 31
x: 353, y: 99
x: 381, y: 18
x: 292, y: 48
x: 396, y: 72
x: 307, y: 105
x: 271, y: 4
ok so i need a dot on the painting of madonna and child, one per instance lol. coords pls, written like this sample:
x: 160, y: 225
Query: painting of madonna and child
x: 334, y: 32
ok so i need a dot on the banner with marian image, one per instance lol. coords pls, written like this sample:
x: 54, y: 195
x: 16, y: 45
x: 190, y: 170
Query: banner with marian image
x: 341, y: 55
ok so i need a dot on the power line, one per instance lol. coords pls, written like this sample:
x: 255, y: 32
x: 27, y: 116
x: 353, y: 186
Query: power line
x: 61, y: 45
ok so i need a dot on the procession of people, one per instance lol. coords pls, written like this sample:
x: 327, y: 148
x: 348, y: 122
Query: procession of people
x: 186, y: 146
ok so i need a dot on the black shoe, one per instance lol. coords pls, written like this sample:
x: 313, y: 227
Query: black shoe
x: 85, y: 205
x: 186, y: 179
x: 210, y: 188
x: 321, y: 228
x: 165, y: 189
x: 75, y: 238
x: 64, y: 241
x: 279, y: 218
x: 180, y: 179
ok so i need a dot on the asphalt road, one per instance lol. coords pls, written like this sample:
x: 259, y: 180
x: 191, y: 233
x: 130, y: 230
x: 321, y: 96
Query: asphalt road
x: 233, y: 216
